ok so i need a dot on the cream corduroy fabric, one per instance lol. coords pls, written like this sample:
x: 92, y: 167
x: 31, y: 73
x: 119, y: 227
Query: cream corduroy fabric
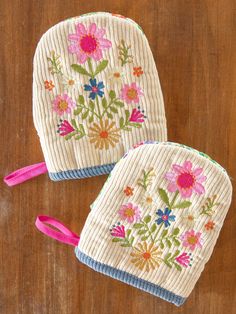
x: 156, y: 221
x: 96, y: 92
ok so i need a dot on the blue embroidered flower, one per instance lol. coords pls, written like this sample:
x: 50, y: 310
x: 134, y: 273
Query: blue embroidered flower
x: 164, y: 217
x: 94, y: 88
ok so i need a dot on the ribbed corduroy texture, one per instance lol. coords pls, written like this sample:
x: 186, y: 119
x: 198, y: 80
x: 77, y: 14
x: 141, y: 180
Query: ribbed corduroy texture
x: 61, y: 155
x: 96, y: 240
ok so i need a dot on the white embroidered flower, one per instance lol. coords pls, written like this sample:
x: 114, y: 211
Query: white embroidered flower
x: 189, y: 219
x: 148, y: 200
x: 115, y: 76
x: 69, y: 83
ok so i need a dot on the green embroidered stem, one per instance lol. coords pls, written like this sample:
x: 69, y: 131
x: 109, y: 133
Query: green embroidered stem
x: 99, y: 112
x: 147, y: 179
x: 155, y: 236
x: 173, y: 200
x: 148, y: 230
x: 124, y: 55
x: 90, y: 68
x: 55, y: 63
x: 207, y: 208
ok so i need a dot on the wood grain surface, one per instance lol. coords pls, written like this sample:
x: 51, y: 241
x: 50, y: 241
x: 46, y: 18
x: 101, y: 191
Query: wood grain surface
x: 194, y: 44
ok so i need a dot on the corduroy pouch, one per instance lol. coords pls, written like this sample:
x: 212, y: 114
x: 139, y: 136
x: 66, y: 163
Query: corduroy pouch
x: 156, y: 221
x: 96, y: 92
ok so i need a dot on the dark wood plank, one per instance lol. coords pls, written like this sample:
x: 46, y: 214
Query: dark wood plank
x: 194, y: 44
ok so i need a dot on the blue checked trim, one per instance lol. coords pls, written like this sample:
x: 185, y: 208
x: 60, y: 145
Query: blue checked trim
x: 81, y: 173
x: 130, y: 279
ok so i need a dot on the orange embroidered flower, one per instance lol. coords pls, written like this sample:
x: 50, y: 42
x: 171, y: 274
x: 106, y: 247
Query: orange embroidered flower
x: 128, y: 191
x: 48, y: 85
x: 138, y: 71
x: 210, y: 225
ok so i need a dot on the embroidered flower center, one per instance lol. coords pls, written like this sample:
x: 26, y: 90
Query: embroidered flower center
x: 146, y: 255
x: 185, y: 180
x: 62, y: 105
x: 129, y: 212
x: 190, y: 217
x: 149, y: 200
x: 88, y: 44
x: 116, y: 75
x: 71, y: 82
x: 192, y: 240
x: 104, y: 134
x: 164, y: 217
x: 94, y: 89
x: 132, y: 93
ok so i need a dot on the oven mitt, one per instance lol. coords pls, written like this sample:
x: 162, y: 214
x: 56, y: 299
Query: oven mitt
x: 96, y: 92
x: 156, y: 221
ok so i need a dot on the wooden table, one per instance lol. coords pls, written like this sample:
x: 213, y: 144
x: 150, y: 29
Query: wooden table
x: 194, y: 44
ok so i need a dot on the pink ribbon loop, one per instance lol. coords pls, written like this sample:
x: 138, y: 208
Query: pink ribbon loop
x: 64, y: 235
x: 25, y: 174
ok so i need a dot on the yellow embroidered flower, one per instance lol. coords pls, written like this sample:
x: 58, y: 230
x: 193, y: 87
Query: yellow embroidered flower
x: 104, y: 134
x: 146, y: 256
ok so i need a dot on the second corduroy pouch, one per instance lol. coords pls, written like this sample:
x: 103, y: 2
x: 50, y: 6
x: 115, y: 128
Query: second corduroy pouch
x: 156, y: 221
x: 96, y: 92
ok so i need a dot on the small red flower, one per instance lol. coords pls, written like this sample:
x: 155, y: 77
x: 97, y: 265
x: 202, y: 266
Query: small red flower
x: 210, y: 225
x: 49, y: 85
x: 128, y: 191
x: 138, y: 71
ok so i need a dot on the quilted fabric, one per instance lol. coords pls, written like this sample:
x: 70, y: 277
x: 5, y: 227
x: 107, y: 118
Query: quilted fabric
x: 156, y: 221
x: 96, y: 92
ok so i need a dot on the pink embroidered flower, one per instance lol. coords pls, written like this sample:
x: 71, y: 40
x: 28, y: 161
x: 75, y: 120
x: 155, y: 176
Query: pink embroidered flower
x: 118, y: 231
x: 63, y: 104
x: 131, y: 93
x: 130, y: 212
x: 184, y: 259
x: 65, y: 128
x: 186, y: 180
x: 88, y: 43
x: 137, y: 115
x: 191, y: 239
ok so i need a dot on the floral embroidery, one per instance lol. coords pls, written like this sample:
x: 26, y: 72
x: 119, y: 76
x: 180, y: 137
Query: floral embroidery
x: 148, y: 200
x: 97, y: 108
x: 63, y: 103
x: 88, y: 43
x: 104, y: 134
x: 130, y: 212
x: 137, y: 116
x: 189, y: 219
x: 164, y: 217
x: 147, y: 178
x: 128, y: 191
x: 184, y: 259
x: 137, y: 71
x: 186, y: 180
x: 118, y: 231
x: 191, y: 239
x: 94, y: 88
x: 120, y: 234
x: 131, y: 93
x: 124, y: 55
x: 49, y: 85
x: 207, y: 208
x: 210, y: 225
x: 146, y: 256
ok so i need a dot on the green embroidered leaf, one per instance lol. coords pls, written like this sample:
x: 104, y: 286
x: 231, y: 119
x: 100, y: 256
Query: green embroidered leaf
x: 135, y: 125
x: 164, y: 196
x: 184, y: 204
x: 176, y: 231
x: 168, y: 242
x: 127, y: 114
x: 176, y: 242
x: 112, y: 94
x: 102, y: 65
x: 119, y: 104
x: 78, y: 137
x: 167, y: 263
x: 73, y: 122
x: 91, y: 105
x: 153, y: 228
x: 104, y: 102
x: 144, y: 238
x: 85, y: 114
x: 131, y: 240
x: 78, y: 68
x: 77, y: 111
x: 81, y: 99
x: 126, y: 244
x: 109, y: 115
x: 113, y: 109
x: 128, y: 232
x: 117, y: 240
x: 147, y: 219
x: 164, y: 233
x: 140, y: 232
x: 162, y: 245
x: 137, y: 225
x: 177, y: 266
x: 121, y: 122
x: 90, y: 119
x: 82, y: 130
x: 70, y: 135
